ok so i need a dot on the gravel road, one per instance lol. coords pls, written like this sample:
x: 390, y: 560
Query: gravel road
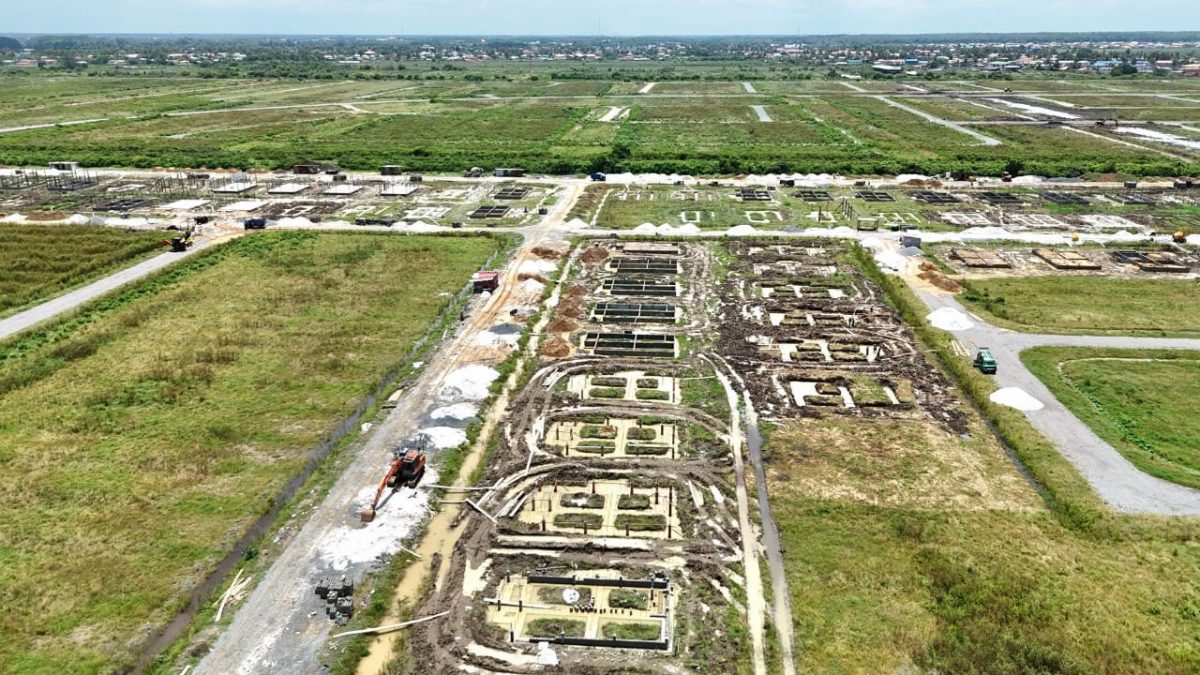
x: 1118, y: 482
x: 68, y: 301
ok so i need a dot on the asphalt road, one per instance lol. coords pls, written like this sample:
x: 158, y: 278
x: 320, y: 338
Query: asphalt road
x: 1115, y: 479
x: 68, y: 301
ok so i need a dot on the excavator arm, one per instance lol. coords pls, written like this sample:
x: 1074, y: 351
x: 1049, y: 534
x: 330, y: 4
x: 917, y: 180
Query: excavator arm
x: 368, y: 513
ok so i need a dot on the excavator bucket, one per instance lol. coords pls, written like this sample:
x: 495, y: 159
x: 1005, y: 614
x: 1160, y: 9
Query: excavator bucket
x: 367, y: 515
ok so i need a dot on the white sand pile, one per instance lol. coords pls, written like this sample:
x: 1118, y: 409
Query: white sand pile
x: 532, y: 286
x: 420, y: 226
x: 948, y: 318
x: 890, y: 261
x: 294, y: 222
x: 688, y: 229
x: 127, y: 222
x: 537, y: 266
x: 458, y: 411
x: 1029, y: 180
x: 469, y: 383
x: 1015, y: 397
x: 445, y: 437
x: 646, y: 228
x: 14, y: 218
x: 741, y: 231
x: 78, y: 219
x: 577, y: 224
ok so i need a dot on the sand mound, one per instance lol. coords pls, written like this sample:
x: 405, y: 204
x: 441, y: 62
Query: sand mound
x: 555, y: 348
x: 46, y: 216
x: 948, y: 318
x: 577, y: 291
x: 524, y: 276
x: 562, y: 325
x: 1015, y: 397
x: 547, y: 252
x: 934, y: 276
x: 595, y: 254
x: 570, y: 308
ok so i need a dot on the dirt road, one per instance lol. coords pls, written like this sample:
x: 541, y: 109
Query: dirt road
x: 279, y: 628
x: 781, y: 600
x: 755, y: 604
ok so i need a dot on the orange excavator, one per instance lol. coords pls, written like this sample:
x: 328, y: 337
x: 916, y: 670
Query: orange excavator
x: 407, y: 469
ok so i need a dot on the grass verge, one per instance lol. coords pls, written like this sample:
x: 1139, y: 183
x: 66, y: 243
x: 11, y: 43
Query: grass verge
x: 1142, y: 402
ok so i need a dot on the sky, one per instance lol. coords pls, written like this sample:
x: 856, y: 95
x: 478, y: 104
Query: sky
x: 604, y: 17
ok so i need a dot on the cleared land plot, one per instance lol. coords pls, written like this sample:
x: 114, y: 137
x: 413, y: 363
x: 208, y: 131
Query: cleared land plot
x: 40, y: 261
x: 140, y: 438
x: 1089, y: 304
x: 1124, y: 102
x: 1177, y: 112
x: 958, y: 110
x: 1141, y: 402
x: 698, y: 88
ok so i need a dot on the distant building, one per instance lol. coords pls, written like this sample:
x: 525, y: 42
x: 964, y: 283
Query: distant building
x: 1191, y: 70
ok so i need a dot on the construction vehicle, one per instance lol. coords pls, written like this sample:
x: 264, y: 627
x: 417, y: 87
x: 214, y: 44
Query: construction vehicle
x: 599, y: 177
x: 985, y: 362
x: 407, y: 469
x: 255, y: 223
x: 485, y: 280
x: 1179, y: 237
x: 182, y: 241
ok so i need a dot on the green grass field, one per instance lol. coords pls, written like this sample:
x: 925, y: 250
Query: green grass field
x: 878, y: 589
x: 40, y: 261
x: 1088, y: 304
x: 1142, y: 402
x: 518, y: 116
x: 891, y: 535
x: 139, y: 437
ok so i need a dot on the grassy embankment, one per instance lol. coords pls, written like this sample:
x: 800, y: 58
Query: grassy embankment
x: 141, y: 435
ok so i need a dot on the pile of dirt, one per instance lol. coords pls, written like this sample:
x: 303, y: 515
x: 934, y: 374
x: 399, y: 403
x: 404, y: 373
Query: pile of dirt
x: 595, y: 254
x: 922, y: 183
x: 555, y: 348
x: 547, y: 253
x: 571, y: 308
x: 562, y: 325
x: 536, y: 277
x: 931, y: 274
x: 576, y: 291
x: 45, y: 216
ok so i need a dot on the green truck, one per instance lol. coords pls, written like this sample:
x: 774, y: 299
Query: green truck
x: 985, y: 362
